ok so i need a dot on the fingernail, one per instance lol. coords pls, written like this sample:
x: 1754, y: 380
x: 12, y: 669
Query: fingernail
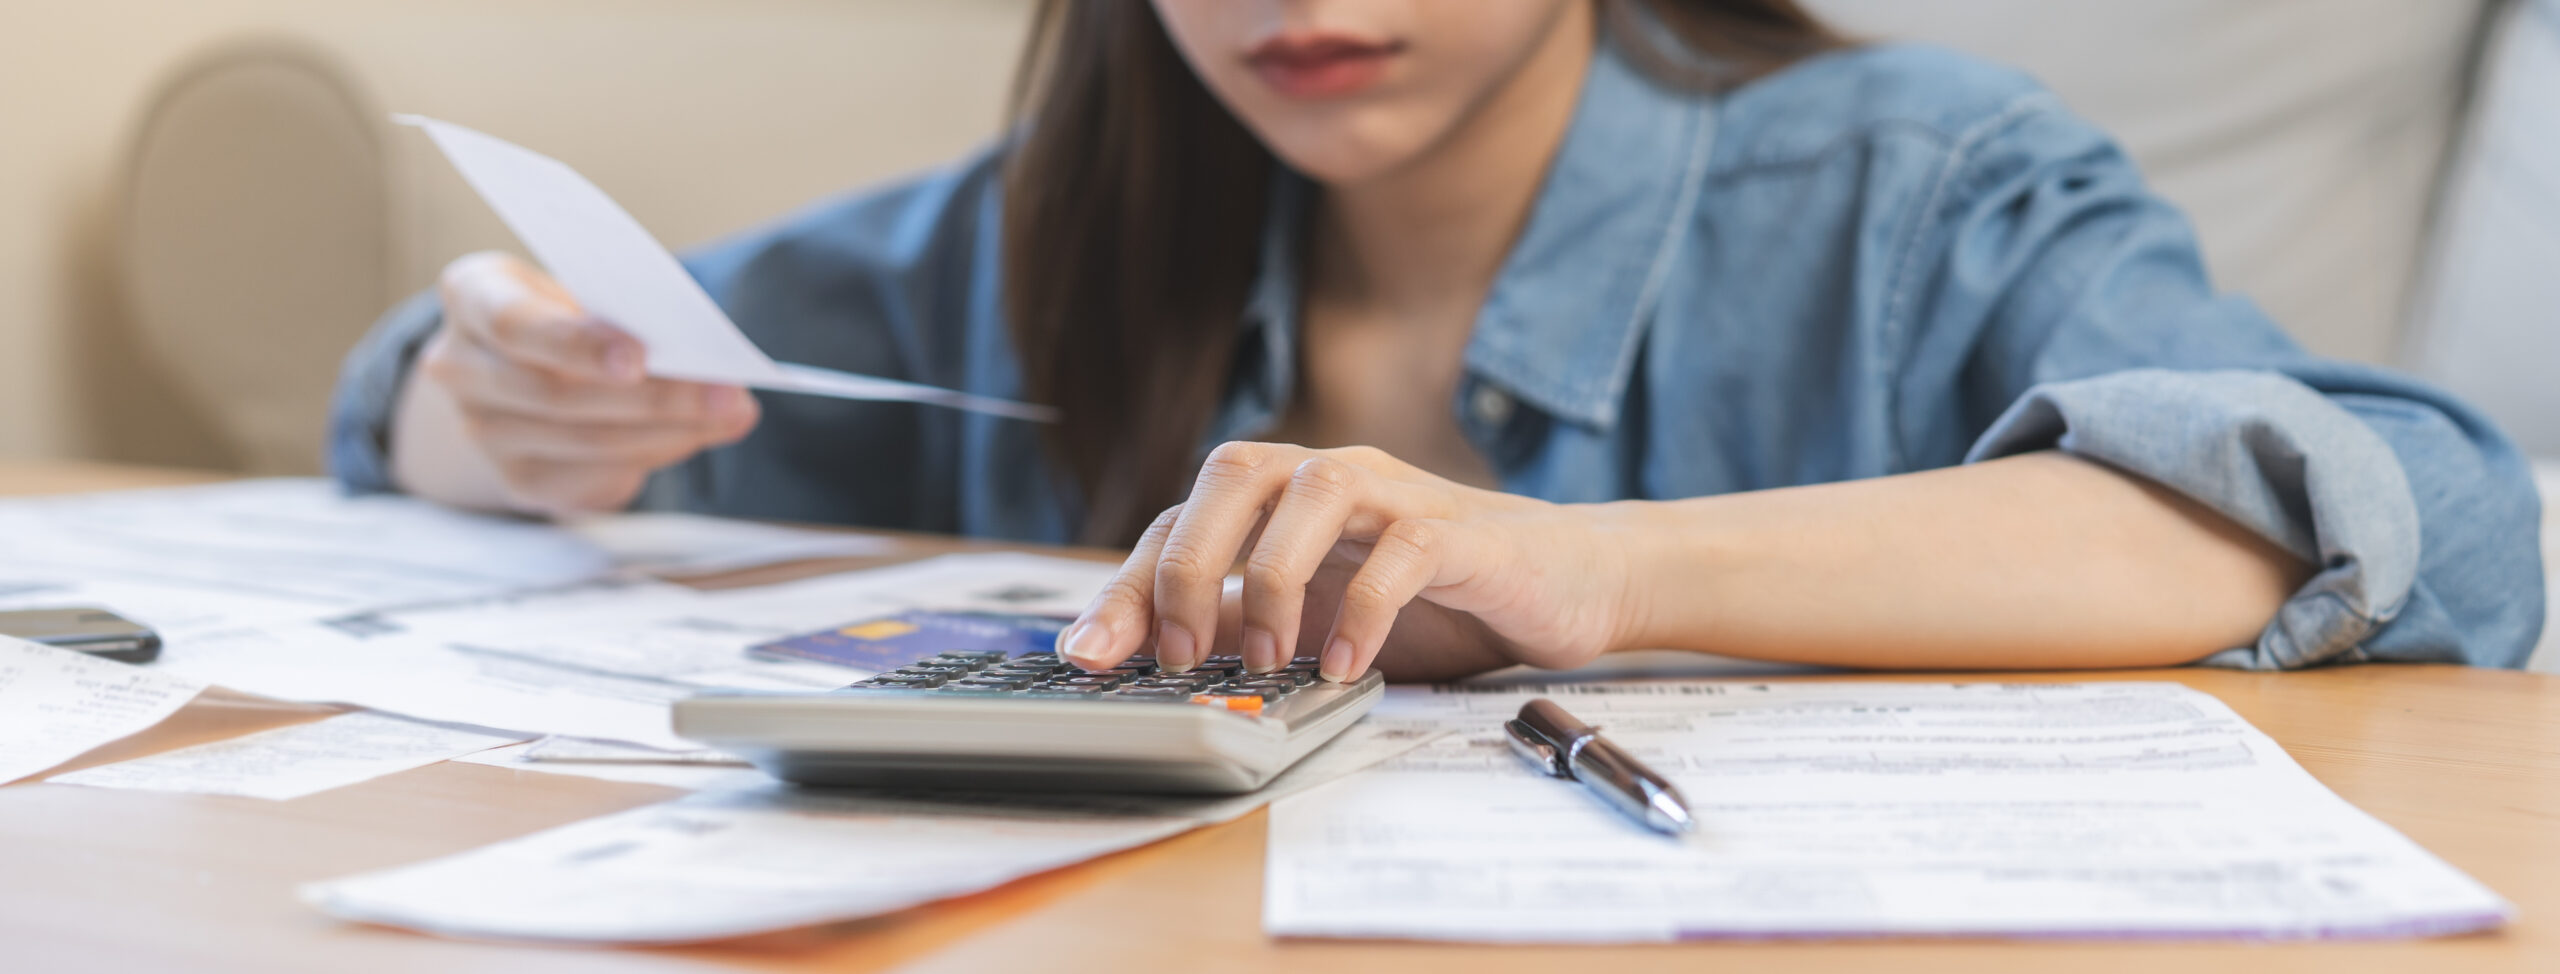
x: 1337, y: 661
x: 1175, y: 652
x: 1261, y: 651
x: 1084, y: 645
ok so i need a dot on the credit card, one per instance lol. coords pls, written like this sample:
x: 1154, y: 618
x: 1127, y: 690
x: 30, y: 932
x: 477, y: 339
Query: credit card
x: 891, y: 641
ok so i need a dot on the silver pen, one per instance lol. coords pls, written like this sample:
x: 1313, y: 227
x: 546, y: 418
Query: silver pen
x: 1562, y: 746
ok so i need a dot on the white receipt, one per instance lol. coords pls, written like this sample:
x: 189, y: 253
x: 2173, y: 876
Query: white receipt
x: 736, y: 862
x: 623, y: 275
x: 416, y: 677
x: 192, y: 560
x: 1857, y: 809
x: 672, y: 543
x: 56, y: 704
x: 605, y: 660
x: 702, y: 770
x: 285, y: 763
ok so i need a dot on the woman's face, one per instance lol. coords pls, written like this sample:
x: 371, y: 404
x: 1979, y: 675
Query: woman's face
x: 1345, y: 90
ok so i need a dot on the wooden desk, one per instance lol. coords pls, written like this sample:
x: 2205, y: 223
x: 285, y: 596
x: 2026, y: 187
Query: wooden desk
x: 2467, y: 762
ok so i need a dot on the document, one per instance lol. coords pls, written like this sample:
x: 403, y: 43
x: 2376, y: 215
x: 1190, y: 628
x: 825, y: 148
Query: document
x: 56, y: 704
x: 672, y: 543
x: 703, y: 770
x: 195, y: 560
x: 623, y: 275
x: 417, y: 677
x: 1857, y: 809
x: 734, y: 862
x: 285, y: 763
x: 604, y: 660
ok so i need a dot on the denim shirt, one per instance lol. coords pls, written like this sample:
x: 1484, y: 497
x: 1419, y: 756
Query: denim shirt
x: 1882, y: 260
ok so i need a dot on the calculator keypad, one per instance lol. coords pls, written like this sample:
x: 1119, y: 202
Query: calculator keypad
x: 1220, y: 681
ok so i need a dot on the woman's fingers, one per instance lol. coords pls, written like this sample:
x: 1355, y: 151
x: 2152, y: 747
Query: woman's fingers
x: 502, y: 303
x: 1117, y: 623
x: 1322, y: 496
x: 1410, y: 557
x: 1234, y: 488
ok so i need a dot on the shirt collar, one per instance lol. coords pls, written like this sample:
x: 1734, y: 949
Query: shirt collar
x: 1561, y: 325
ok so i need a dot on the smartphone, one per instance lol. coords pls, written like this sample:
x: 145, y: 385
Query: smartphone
x: 91, y: 630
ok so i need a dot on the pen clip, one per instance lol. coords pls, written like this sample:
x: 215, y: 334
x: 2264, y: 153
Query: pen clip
x: 1534, y: 748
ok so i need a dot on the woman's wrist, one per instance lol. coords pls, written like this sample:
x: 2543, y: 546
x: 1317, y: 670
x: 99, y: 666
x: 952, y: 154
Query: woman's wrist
x: 1646, y: 566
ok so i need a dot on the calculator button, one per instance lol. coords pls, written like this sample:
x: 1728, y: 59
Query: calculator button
x: 1293, y: 678
x: 943, y: 667
x: 1224, y: 662
x: 998, y: 682
x: 920, y: 682
x: 1267, y: 683
x: 1240, y: 702
x: 1053, y: 692
x: 1034, y: 672
x: 1049, y: 658
x: 972, y: 657
x: 1303, y: 664
x: 976, y: 689
x: 1143, y: 691
x: 1094, y: 680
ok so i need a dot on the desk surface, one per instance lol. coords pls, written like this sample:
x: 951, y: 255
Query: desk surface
x: 2466, y: 762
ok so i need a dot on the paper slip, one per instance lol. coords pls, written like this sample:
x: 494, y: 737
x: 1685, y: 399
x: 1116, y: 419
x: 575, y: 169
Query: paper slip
x: 670, y: 543
x: 285, y: 763
x: 56, y: 704
x: 2142, y: 810
x: 623, y: 275
x: 605, y: 660
x: 731, y: 863
x: 415, y: 677
x: 690, y: 770
x: 191, y: 560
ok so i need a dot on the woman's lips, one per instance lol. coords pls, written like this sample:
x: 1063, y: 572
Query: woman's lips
x: 1321, y: 65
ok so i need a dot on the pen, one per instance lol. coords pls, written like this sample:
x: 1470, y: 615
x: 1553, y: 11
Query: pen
x: 1562, y: 746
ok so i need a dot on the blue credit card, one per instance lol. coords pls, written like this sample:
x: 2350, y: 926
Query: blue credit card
x: 891, y: 641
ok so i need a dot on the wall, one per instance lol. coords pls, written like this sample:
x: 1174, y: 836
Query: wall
x: 75, y: 78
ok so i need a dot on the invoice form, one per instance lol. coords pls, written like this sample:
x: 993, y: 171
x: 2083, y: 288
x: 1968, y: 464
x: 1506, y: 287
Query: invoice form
x: 1856, y: 809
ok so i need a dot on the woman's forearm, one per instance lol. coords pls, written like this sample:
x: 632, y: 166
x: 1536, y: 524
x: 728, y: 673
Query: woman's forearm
x: 2035, y: 561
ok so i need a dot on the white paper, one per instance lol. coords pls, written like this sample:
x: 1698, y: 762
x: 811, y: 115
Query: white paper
x: 623, y: 275
x: 605, y: 660
x: 690, y: 770
x: 413, y: 677
x: 285, y: 763
x: 671, y: 543
x: 731, y: 863
x: 192, y: 560
x: 56, y: 704
x: 1850, y: 809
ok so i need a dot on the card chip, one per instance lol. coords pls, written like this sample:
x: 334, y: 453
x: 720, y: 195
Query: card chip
x: 879, y: 629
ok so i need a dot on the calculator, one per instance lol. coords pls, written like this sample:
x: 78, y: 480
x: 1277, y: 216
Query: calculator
x: 985, y: 720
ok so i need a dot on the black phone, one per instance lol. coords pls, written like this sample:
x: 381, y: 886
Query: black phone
x: 89, y: 629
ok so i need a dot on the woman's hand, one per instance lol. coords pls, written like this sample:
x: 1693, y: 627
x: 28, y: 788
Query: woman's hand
x: 1338, y: 546
x: 559, y: 402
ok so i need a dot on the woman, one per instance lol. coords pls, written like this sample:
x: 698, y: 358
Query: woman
x: 1525, y: 332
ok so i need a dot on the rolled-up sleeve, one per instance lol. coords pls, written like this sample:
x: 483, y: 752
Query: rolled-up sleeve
x: 2071, y: 308
x: 369, y: 390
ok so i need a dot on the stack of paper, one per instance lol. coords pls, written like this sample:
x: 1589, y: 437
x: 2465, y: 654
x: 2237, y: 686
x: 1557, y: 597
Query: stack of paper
x: 735, y: 862
x: 1858, y: 809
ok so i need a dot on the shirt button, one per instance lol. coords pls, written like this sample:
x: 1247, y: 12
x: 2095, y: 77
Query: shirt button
x: 1491, y: 405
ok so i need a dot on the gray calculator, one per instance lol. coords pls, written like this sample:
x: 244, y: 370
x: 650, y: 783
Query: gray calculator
x: 987, y: 721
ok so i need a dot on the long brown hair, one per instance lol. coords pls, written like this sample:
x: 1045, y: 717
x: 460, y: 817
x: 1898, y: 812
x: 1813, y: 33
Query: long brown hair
x: 1134, y: 208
